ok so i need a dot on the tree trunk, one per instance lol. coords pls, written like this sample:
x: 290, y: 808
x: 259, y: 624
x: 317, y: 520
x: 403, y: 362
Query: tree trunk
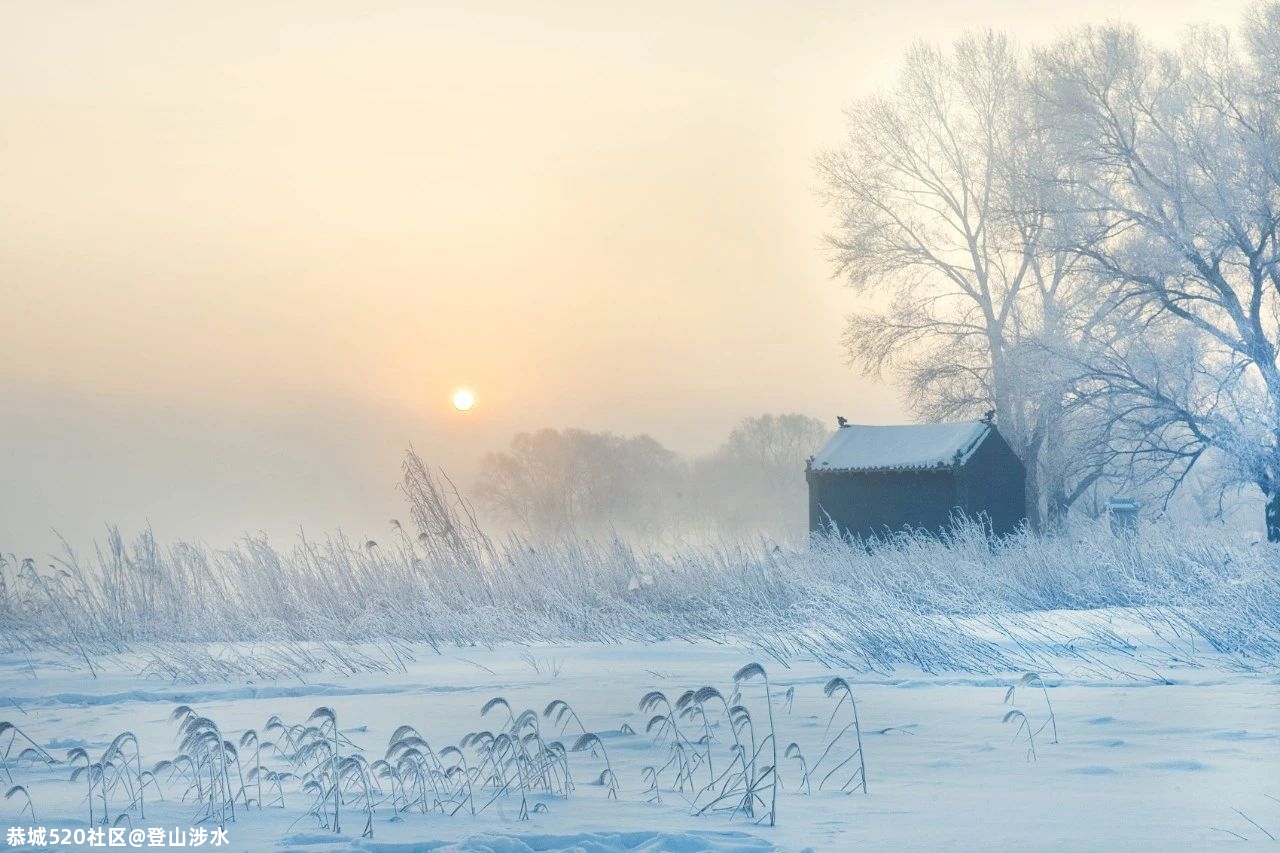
x: 1031, y: 495
x: 1273, y: 516
x: 1034, y: 489
x: 1055, y: 515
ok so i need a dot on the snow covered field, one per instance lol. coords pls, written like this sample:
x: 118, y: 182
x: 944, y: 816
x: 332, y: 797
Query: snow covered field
x: 1157, y: 652
x: 1140, y: 764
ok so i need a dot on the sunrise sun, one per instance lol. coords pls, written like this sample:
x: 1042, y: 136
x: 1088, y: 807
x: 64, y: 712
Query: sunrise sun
x: 464, y: 399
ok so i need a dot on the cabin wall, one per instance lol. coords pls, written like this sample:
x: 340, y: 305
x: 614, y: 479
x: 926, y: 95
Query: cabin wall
x: 874, y: 503
x: 993, y: 482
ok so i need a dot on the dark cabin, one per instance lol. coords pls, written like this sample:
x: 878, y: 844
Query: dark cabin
x: 878, y: 480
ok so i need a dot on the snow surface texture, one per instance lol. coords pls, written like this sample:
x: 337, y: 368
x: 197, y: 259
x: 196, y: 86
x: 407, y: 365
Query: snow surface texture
x: 1190, y: 764
x: 858, y: 447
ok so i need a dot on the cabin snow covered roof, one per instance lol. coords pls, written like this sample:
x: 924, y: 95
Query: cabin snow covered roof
x: 858, y: 447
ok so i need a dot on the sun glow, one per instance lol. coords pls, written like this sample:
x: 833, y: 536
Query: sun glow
x: 464, y: 399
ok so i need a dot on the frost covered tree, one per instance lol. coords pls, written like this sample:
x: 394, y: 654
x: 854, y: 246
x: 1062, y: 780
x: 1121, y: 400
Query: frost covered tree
x: 754, y: 482
x: 574, y: 482
x: 1172, y: 199
x: 938, y: 190
x: 556, y: 483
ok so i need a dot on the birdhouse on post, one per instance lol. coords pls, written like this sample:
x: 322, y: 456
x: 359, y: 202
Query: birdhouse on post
x: 1123, y: 515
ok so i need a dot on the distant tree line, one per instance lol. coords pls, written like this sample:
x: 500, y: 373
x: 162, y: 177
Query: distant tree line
x: 574, y: 482
x: 1085, y: 237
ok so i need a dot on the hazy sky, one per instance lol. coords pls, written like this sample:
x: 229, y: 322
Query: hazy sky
x: 247, y: 249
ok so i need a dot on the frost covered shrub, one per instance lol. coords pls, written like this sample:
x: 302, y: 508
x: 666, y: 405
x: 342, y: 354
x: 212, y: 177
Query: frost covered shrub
x: 940, y: 604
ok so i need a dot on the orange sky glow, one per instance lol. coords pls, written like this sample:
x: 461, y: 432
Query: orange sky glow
x: 249, y: 250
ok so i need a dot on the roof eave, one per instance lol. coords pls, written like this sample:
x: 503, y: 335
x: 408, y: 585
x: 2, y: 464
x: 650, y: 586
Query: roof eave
x: 920, y: 468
